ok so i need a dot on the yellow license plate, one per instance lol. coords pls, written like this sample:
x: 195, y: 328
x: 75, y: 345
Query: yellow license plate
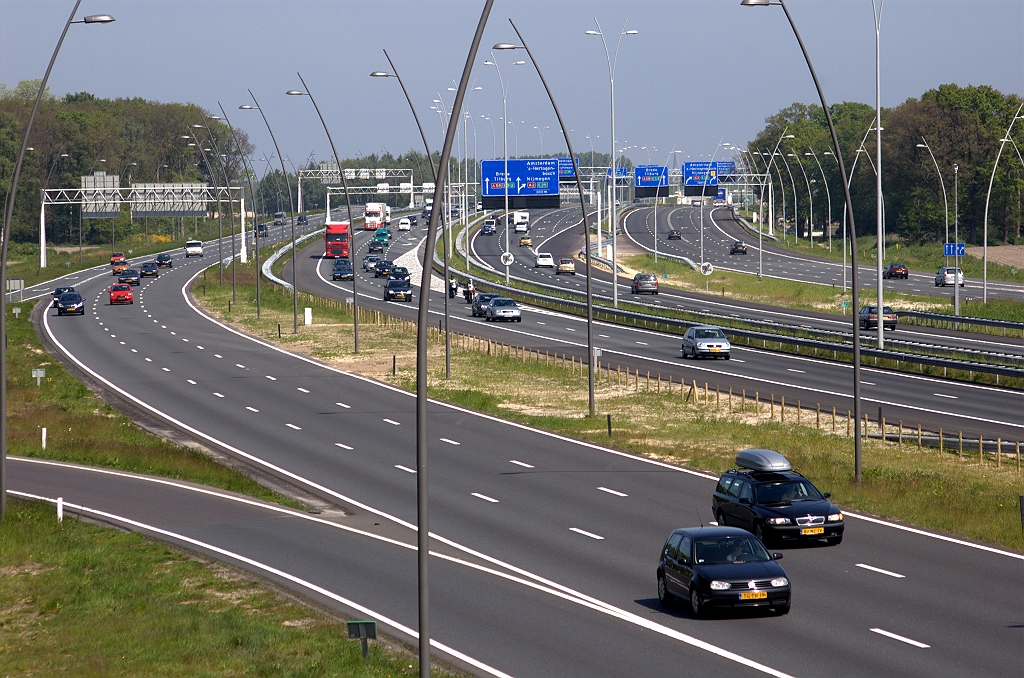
x: 813, y: 530
x: 715, y: 350
x: 754, y: 595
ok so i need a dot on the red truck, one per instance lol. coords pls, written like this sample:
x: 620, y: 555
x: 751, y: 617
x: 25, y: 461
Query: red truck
x: 336, y: 239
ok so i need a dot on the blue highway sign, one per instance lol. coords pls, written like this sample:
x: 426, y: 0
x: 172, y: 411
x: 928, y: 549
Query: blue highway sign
x: 566, y: 169
x: 954, y: 249
x: 701, y: 173
x: 645, y: 176
x: 526, y: 177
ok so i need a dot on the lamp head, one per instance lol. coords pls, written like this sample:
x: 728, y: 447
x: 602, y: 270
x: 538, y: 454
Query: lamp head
x: 922, y: 145
x: 754, y: 3
x: 631, y: 32
x: 592, y: 33
x: 196, y: 126
x: 214, y: 117
x: 381, y: 74
x: 488, y: 63
x: 789, y: 136
x: 248, y: 107
x: 295, y: 93
x: 98, y: 19
x: 518, y: 63
x: 506, y: 45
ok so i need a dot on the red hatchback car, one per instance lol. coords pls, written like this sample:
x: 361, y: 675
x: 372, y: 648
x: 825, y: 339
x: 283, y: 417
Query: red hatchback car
x: 117, y: 258
x: 895, y: 271
x: 121, y: 294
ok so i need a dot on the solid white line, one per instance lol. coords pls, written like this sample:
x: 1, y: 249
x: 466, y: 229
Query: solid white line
x: 908, y: 641
x: 520, y: 463
x: 450, y: 442
x: 393, y: 422
x: 297, y: 428
x: 484, y: 497
x: 585, y: 533
x: 219, y: 395
x: 943, y: 395
x: 881, y: 571
x: 347, y: 407
x: 251, y: 409
x: 302, y: 389
x: 343, y: 446
x: 615, y: 492
x: 405, y: 468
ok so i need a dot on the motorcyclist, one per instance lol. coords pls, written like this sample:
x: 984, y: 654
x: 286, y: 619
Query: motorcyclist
x: 470, y: 291
x: 453, y: 287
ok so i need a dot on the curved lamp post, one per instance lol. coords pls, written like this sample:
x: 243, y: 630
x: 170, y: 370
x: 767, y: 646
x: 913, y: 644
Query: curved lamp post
x: 942, y: 185
x: 504, y: 139
x: 348, y: 204
x: 231, y: 209
x: 796, y: 203
x: 4, y: 235
x: 1002, y: 144
x: 611, y: 206
x: 42, y: 210
x: 849, y: 210
x: 291, y: 207
x: 220, y: 212
x: 810, y: 199
x: 828, y: 193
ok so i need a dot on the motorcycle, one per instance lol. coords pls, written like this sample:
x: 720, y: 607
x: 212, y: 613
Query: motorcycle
x: 469, y: 293
x: 453, y: 287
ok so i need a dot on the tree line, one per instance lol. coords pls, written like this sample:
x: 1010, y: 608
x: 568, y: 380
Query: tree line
x: 961, y: 125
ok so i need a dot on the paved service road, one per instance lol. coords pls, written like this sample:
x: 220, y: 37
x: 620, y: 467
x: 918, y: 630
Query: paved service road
x: 538, y: 513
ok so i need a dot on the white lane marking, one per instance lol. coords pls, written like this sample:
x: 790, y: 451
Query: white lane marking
x: 200, y: 347
x: 166, y: 369
x: 881, y: 571
x: 604, y: 336
x: 302, y: 389
x: 301, y: 582
x: 184, y: 339
x: 867, y: 383
x: 642, y: 343
x: 405, y: 468
x: 347, y: 407
x: 393, y: 422
x: 219, y: 395
x: 570, y: 329
x: 790, y: 369
x: 520, y: 463
x: 191, y: 381
x: 450, y: 442
x: 174, y: 333
x: 540, y: 323
x: 135, y: 350
x: 240, y: 365
x: 343, y: 446
x: 271, y: 378
x: 149, y: 360
x: 217, y: 355
x: 121, y: 342
x: 737, y: 360
x: 712, y: 522
x: 163, y: 327
x: 297, y: 428
x: 585, y: 533
x: 484, y: 497
x: 903, y: 639
x: 615, y: 492
x: 251, y: 409
x: 943, y: 395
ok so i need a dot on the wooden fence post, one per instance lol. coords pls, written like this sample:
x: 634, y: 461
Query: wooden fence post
x: 782, y: 409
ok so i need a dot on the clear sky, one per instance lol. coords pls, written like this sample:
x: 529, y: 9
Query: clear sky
x: 697, y: 72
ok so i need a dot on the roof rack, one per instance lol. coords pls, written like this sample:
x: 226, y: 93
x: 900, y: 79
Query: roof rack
x: 762, y: 460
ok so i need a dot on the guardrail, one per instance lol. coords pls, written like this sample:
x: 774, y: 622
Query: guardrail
x: 962, y: 323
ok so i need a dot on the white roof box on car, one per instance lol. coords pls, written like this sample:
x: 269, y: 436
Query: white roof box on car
x: 762, y: 460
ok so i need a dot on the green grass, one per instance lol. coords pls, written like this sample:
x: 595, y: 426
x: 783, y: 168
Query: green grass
x: 79, y: 599
x: 918, y: 486
x: 83, y: 429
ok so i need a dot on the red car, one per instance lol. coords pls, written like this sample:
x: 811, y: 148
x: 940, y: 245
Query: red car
x: 895, y: 271
x: 121, y: 294
x: 116, y: 258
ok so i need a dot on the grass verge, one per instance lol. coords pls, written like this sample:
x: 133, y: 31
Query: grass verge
x: 920, y: 486
x: 160, y: 612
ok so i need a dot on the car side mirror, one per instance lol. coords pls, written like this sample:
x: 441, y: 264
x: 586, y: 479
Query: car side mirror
x: 827, y: 495
x: 776, y: 556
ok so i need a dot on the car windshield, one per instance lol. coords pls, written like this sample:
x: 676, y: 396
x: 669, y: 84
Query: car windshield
x: 130, y: 272
x: 121, y: 288
x: 194, y: 243
x: 886, y: 309
x: 786, y: 492
x: 337, y: 237
x: 729, y: 550
x: 397, y: 284
x: 69, y: 297
x: 646, y: 277
x: 503, y: 302
x: 896, y: 266
x: 399, y: 270
x: 486, y: 297
x: 163, y: 257
x: 709, y: 333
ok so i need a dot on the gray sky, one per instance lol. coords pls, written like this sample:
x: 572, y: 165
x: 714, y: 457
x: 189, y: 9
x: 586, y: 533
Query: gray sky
x: 696, y: 72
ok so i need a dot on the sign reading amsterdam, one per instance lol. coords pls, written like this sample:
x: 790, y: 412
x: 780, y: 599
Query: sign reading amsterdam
x: 701, y: 178
x: 530, y: 183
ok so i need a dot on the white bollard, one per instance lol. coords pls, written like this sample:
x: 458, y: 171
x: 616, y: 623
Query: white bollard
x: 44, y: 437
x: 308, y: 316
x: 60, y: 509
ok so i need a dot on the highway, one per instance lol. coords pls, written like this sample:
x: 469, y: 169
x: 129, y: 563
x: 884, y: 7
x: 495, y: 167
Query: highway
x: 586, y: 556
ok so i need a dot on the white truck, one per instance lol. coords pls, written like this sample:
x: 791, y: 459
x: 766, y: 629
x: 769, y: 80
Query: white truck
x: 374, y: 216
x: 521, y: 221
x: 193, y: 248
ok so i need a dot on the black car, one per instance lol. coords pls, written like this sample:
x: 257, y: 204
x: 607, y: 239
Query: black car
x: 370, y: 261
x: 70, y: 302
x: 375, y: 246
x: 164, y: 260
x: 382, y: 268
x: 398, y: 290
x: 150, y: 269
x: 718, y: 567
x: 768, y: 498
x: 413, y: 219
x: 342, y: 270
x: 675, y: 234
x: 59, y: 291
x: 302, y: 220
x: 738, y: 247
x: 130, y: 276
x: 481, y: 302
x: 398, y: 273
x: 261, y: 231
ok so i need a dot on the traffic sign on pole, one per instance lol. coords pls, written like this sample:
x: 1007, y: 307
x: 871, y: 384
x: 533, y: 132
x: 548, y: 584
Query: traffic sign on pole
x: 706, y: 268
x: 507, y: 258
x: 954, y: 249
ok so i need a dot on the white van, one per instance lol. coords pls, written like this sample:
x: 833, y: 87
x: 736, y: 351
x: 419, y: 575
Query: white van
x: 404, y: 224
x: 521, y: 221
x: 193, y: 248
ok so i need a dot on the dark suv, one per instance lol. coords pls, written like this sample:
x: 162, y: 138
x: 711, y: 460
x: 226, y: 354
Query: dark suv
x: 767, y: 497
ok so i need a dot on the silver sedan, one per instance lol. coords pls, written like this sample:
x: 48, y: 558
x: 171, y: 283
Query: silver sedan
x: 501, y: 308
x: 706, y: 341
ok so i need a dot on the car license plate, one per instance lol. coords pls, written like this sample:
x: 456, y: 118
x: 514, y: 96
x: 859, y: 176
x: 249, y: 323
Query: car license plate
x: 813, y: 530
x: 715, y: 350
x: 754, y: 595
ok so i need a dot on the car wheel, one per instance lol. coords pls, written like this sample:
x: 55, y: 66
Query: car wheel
x: 726, y: 356
x: 695, y: 605
x: 664, y: 597
x: 759, y: 532
x: 519, y: 320
x: 834, y: 541
x: 721, y: 519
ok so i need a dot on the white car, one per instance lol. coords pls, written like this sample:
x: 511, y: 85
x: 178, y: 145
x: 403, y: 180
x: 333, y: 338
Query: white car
x: 404, y: 224
x: 946, y: 275
x: 544, y: 260
x: 501, y: 308
x: 706, y: 341
x: 193, y: 248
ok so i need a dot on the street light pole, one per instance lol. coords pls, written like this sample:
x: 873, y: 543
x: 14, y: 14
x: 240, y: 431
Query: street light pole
x: 849, y: 210
x: 291, y: 208
x: 942, y: 185
x: 348, y: 203
x: 231, y: 209
x: 879, y: 223
x: 504, y: 141
x: 988, y: 196
x: 828, y: 193
x: 611, y: 206
x: 12, y: 193
x: 810, y: 200
x: 956, y: 238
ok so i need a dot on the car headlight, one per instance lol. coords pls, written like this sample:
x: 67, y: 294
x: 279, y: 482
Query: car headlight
x: 780, y: 581
x: 720, y: 585
x: 835, y: 517
x: 778, y: 521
